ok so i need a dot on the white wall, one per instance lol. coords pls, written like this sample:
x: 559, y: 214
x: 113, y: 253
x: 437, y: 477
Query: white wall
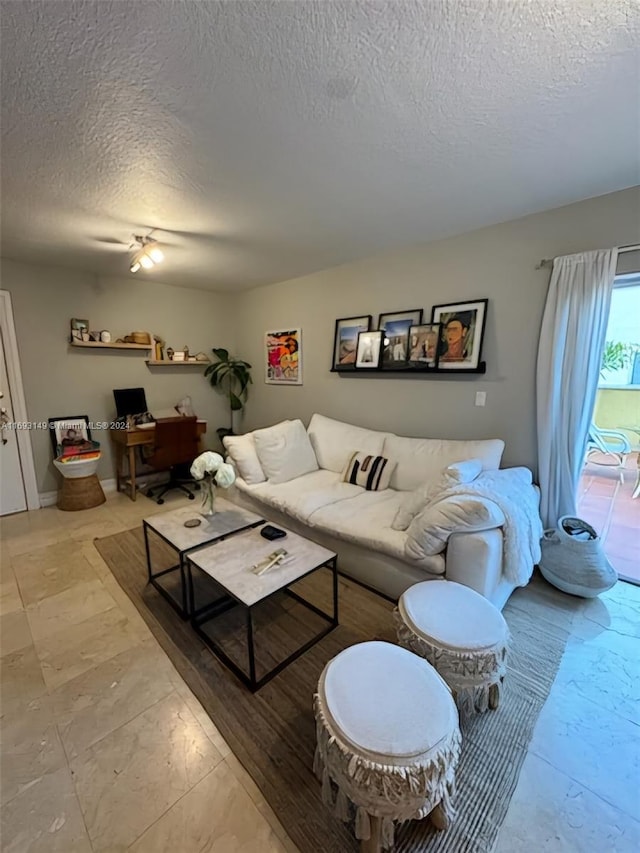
x: 497, y: 262
x: 60, y: 380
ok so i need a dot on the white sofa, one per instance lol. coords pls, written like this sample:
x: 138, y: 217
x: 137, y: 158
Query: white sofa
x: 464, y: 542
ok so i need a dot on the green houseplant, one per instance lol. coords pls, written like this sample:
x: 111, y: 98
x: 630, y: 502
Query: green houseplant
x: 616, y: 355
x: 231, y: 377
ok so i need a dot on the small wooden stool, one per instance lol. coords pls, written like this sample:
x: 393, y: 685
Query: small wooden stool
x: 387, y: 738
x: 80, y: 493
x: 461, y: 634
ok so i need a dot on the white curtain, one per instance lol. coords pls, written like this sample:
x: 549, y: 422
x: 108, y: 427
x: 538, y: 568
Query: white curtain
x: 572, y: 338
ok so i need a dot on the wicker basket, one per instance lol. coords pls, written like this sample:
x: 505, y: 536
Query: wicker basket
x: 80, y: 493
x: 573, y: 560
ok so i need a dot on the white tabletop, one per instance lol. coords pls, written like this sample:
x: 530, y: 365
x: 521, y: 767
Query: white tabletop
x: 228, y: 518
x: 229, y: 563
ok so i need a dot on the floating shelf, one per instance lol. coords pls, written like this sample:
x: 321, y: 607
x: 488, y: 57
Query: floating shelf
x: 166, y: 362
x: 101, y: 345
x: 409, y: 370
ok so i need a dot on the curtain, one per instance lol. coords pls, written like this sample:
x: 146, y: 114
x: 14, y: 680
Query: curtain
x: 572, y: 338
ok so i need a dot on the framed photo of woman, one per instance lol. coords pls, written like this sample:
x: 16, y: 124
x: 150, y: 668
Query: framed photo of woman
x: 423, y: 345
x: 462, y: 331
x: 283, y: 357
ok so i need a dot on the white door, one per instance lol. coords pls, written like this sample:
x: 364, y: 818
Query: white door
x: 12, y: 492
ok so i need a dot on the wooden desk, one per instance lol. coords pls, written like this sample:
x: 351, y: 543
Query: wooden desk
x: 126, y: 441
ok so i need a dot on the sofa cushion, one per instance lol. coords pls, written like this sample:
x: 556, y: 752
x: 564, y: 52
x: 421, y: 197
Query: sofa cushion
x: 373, y: 473
x: 300, y: 498
x: 414, y: 502
x: 284, y: 451
x: 242, y: 450
x: 421, y: 459
x: 429, y: 531
x: 364, y: 519
x: 334, y: 441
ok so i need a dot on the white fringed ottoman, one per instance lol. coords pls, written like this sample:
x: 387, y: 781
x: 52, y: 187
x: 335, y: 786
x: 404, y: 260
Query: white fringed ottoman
x: 461, y: 634
x: 388, y: 737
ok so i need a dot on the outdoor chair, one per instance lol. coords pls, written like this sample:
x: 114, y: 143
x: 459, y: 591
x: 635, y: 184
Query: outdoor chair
x: 609, y: 442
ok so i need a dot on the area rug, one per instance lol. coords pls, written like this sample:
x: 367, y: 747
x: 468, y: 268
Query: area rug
x: 272, y: 733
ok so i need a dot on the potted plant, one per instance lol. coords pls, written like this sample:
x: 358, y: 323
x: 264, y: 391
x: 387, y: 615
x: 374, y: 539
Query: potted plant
x: 231, y: 377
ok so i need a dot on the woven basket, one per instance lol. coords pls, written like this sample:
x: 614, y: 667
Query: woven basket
x: 576, y: 566
x: 80, y: 493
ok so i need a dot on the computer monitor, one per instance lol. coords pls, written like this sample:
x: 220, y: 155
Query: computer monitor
x: 129, y: 401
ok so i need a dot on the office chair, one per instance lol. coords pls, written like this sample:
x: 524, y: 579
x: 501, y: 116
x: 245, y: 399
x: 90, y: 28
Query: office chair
x: 176, y: 444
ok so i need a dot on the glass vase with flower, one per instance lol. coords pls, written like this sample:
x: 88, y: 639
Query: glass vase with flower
x: 211, y: 471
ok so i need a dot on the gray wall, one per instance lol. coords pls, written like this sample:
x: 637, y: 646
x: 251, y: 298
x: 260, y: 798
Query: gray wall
x: 497, y: 262
x: 60, y: 380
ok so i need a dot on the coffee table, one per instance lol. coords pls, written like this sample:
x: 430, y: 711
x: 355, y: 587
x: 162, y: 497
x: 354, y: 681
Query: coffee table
x: 228, y: 520
x: 229, y: 564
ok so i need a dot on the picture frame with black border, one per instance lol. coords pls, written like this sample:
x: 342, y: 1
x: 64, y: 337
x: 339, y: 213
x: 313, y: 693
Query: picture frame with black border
x: 59, y: 430
x: 369, y: 350
x: 461, y: 334
x: 345, y: 341
x: 395, y: 326
x: 424, y: 345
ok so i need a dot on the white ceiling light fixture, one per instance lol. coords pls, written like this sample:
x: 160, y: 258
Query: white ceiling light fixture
x: 147, y: 253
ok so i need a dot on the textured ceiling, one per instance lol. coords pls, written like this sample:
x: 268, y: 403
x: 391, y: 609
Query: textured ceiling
x: 265, y: 140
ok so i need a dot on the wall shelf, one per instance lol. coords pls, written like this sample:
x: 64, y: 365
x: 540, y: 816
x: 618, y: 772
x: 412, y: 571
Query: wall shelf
x: 166, y: 362
x: 409, y: 370
x: 101, y: 345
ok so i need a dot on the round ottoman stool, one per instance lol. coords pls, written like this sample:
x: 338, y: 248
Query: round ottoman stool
x: 461, y: 634
x: 387, y: 738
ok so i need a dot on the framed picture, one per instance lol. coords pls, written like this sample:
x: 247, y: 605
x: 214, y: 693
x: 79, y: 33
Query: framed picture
x: 79, y: 329
x: 369, y: 349
x: 283, y: 357
x: 71, y: 432
x: 396, y: 335
x: 423, y: 344
x: 345, y: 341
x: 462, y: 330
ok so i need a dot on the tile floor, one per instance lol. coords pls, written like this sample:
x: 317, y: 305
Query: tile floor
x: 104, y: 748
x: 607, y: 505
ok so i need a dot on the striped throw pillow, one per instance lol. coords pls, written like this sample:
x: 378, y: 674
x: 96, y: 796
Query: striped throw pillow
x: 371, y: 472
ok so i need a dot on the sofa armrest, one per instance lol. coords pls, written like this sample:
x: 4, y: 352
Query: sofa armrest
x: 475, y: 560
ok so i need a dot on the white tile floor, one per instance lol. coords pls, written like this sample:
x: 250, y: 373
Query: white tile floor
x: 105, y: 748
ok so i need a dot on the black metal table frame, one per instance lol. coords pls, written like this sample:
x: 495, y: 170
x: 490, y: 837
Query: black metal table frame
x: 184, y: 610
x: 227, y: 602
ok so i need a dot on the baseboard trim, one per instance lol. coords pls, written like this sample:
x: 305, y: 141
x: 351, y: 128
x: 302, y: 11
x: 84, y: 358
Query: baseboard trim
x: 51, y: 498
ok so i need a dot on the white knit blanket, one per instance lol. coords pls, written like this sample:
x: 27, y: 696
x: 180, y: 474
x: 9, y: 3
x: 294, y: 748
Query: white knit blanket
x: 512, y: 490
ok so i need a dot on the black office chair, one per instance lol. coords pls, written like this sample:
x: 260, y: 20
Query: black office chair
x: 176, y: 446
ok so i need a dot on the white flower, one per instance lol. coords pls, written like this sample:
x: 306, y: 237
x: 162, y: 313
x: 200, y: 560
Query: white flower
x: 225, y: 475
x: 211, y: 461
x: 207, y: 463
x: 197, y: 469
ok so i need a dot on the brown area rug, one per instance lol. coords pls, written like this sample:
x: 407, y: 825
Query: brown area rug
x: 272, y: 733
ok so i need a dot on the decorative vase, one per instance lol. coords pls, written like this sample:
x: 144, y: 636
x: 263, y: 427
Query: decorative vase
x: 208, y: 498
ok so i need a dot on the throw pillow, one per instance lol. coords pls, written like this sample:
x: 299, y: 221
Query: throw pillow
x: 418, y: 499
x: 429, y: 531
x: 285, y: 452
x: 371, y: 472
x: 242, y: 450
x: 464, y: 472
